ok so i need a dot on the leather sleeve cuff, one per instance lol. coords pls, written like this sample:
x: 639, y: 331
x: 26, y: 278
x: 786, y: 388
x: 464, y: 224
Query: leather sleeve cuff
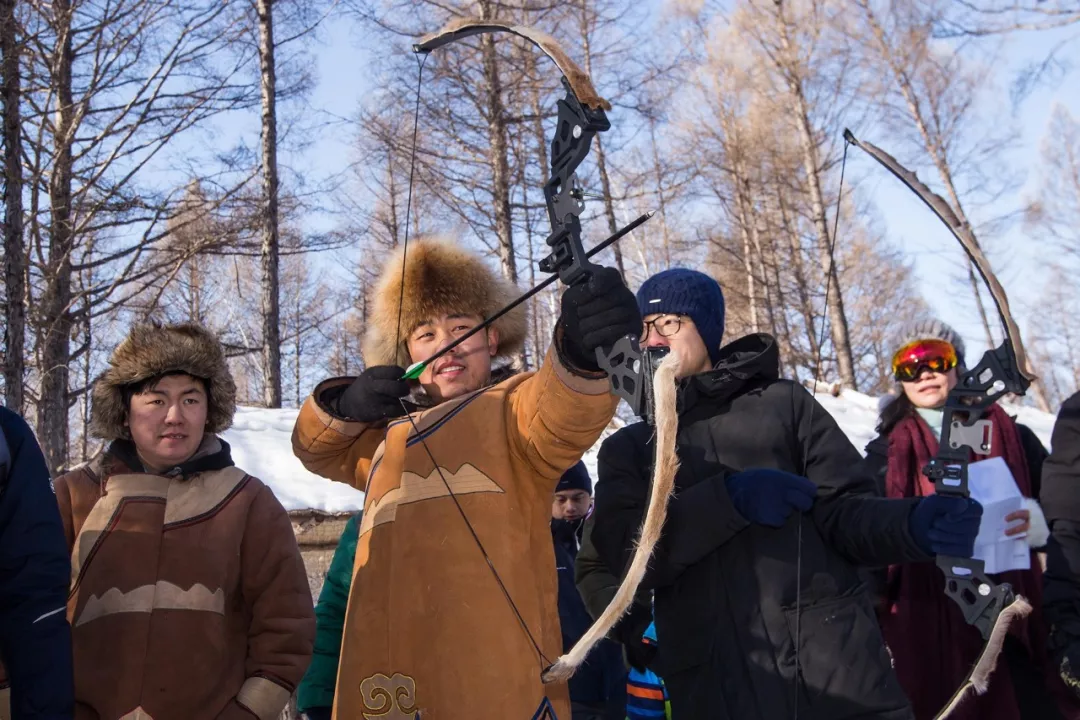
x: 263, y: 697
x: 327, y: 394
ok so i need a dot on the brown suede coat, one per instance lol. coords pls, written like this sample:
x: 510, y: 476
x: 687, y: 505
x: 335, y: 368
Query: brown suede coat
x: 428, y: 628
x: 189, y: 598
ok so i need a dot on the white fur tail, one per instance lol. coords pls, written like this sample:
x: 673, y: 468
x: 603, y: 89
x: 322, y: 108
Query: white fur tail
x: 663, y: 481
x: 979, y: 677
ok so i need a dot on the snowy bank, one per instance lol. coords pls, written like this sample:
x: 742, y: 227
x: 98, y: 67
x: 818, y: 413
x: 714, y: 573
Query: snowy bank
x: 261, y: 443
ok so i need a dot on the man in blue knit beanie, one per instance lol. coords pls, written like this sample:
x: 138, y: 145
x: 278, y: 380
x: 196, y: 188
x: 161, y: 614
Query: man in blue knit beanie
x: 674, y: 304
x: 771, y: 517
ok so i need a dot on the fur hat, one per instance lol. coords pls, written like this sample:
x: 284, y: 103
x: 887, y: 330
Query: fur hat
x: 152, y: 350
x: 441, y: 278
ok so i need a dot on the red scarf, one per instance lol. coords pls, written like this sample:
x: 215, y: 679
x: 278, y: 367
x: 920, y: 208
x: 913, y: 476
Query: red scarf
x: 932, y: 646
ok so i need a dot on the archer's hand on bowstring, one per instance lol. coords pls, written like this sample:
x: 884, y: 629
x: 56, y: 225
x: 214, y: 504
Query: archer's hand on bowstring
x: 596, y: 314
x: 376, y: 395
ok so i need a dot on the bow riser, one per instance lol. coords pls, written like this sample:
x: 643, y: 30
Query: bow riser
x: 576, y: 126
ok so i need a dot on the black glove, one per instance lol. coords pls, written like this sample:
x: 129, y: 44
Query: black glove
x: 595, y: 314
x: 946, y: 525
x: 629, y: 633
x: 1069, y: 667
x: 375, y: 395
x: 318, y: 713
x: 639, y: 655
x: 768, y: 497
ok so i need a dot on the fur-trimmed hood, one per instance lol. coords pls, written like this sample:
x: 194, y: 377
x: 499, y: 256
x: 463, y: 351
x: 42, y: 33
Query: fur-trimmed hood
x: 441, y: 278
x: 151, y: 350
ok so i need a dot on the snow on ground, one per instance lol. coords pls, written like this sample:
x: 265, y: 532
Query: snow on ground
x: 261, y: 442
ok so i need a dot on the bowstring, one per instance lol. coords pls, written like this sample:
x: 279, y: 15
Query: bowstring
x: 408, y: 198
x: 412, y: 421
x: 813, y: 407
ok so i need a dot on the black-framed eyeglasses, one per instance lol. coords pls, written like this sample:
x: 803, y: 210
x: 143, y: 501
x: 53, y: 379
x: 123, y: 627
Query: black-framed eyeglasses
x: 665, y: 326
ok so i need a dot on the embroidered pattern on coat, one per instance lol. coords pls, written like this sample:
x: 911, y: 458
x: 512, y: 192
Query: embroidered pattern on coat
x: 545, y: 711
x: 414, y: 488
x: 163, y: 595
x: 389, y: 698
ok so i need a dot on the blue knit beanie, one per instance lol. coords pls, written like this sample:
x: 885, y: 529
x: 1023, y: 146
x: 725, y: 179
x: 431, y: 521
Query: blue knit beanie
x: 576, y: 478
x: 680, y: 291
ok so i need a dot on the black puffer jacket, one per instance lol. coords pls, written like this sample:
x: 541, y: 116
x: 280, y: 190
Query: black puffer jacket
x: 1060, y: 499
x: 726, y: 594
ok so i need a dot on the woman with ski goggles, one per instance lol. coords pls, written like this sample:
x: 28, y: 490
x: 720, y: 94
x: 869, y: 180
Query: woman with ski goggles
x: 927, y: 365
x: 937, y: 356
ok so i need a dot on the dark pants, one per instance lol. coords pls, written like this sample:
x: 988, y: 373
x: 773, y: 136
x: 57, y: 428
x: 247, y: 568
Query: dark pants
x: 1032, y: 695
x: 581, y: 711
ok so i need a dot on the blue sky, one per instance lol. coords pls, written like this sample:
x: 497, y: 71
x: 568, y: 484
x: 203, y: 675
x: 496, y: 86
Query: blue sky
x: 1018, y: 259
x: 344, y: 65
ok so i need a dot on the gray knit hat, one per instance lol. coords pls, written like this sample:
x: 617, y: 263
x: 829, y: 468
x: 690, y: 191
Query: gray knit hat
x: 932, y: 328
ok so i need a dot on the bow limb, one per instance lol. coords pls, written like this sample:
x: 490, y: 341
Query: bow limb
x: 962, y: 232
x: 465, y: 27
x: 663, y: 482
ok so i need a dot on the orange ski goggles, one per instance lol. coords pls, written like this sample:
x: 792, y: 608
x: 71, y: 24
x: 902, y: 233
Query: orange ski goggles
x: 931, y: 354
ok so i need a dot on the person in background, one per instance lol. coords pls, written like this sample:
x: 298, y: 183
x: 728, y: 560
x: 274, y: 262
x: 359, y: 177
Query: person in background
x: 1061, y: 582
x: 189, y: 598
x: 35, y: 638
x: 913, y: 605
x: 646, y: 695
x: 598, y: 688
x: 315, y: 696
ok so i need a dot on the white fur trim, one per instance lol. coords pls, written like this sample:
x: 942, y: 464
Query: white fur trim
x: 1039, y: 532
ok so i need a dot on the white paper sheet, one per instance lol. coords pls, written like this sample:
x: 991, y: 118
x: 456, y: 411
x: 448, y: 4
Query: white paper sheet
x: 992, y: 484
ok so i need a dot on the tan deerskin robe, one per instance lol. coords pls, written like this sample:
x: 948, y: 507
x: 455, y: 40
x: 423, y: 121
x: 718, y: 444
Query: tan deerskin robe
x: 428, y: 631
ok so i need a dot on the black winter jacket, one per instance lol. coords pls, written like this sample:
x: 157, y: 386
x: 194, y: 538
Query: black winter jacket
x: 726, y: 595
x: 35, y: 639
x: 1061, y: 504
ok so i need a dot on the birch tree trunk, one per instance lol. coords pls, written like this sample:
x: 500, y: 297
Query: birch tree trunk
x: 801, y: 283
x: 498, y: 149
x: 269, y: 254
x: 661, y: 200
x: 56, y: 298
x: 800, y: 114
x: 14, y: 250
x: 601, y: 157
x: 609, y: 203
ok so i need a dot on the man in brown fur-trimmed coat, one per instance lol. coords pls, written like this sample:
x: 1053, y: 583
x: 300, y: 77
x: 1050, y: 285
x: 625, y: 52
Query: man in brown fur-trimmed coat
x: 189, y: 598
x: 432, y: 630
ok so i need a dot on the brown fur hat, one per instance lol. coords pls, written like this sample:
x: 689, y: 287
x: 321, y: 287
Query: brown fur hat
x: 152, y: 350
x: 441, y: 278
